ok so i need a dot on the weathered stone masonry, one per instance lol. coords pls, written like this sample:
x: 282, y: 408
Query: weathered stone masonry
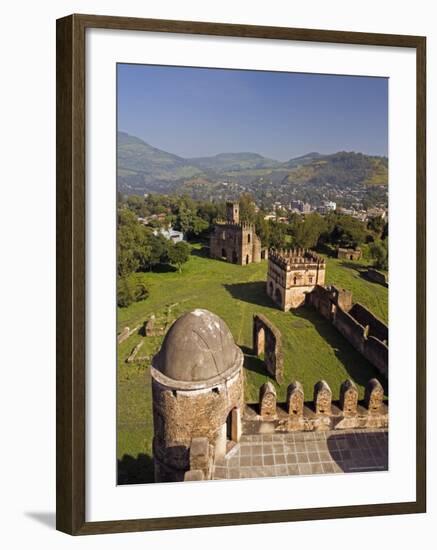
x: 235, y: 241
x: 267, y: 340
x: 197, y: 383
x: 319, y: 414
x: 292, y: 274
x: 366, y: 333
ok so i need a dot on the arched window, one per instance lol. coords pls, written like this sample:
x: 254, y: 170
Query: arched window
x: 248, y: 238
x: 294, y: 280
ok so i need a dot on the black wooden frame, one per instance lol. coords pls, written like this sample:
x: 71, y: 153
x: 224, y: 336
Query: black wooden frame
x: 70, y: 206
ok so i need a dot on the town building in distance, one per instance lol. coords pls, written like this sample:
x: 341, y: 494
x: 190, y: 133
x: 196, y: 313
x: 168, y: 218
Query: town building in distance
x: 235, y: 241
x: 292, y: 274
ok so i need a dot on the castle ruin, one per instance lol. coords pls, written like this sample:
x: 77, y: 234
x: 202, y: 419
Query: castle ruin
x: 201, y: 419
x: 235, y: 241
x: 292, y: 274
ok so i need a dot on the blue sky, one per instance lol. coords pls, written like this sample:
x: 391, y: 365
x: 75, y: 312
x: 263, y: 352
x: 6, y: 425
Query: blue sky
x: 201, y: 112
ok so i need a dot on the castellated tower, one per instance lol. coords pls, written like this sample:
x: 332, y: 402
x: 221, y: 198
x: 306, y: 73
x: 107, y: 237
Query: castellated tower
x: 198, y: 395
x: 235, y: 241
x: 233, y: 212
x: 292, y: 274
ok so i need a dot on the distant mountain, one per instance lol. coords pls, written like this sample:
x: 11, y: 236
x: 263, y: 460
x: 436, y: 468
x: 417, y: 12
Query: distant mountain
x: 144, y: 168
x: 299, y: 161
x: 233, y: 162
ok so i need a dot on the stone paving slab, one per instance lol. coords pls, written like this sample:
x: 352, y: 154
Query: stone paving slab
x: 306, y: 453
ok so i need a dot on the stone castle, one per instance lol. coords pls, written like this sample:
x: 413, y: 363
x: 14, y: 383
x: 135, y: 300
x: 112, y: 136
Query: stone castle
x: 235, y: 241
x: 199, y: 412
x: 292, y: 274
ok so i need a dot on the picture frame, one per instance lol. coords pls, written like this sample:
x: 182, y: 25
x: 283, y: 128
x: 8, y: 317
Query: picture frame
x: 71, y: 205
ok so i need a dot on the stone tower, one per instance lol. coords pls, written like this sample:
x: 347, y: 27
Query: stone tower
x: 233, y: 212
x: 235, y: 241
x: 292, y: 274
x: 197, y: 390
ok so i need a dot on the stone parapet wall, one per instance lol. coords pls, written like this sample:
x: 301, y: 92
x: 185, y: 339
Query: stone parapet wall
x: 321, y: 413
x: 377, y: 276
x: 365, y: 317
x: 361, y: 328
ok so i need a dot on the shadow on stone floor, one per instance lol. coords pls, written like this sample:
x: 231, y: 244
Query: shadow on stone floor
x: 359, y: 452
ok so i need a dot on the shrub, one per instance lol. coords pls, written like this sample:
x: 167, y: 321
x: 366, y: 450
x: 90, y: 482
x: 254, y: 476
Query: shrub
x: 130, y: 291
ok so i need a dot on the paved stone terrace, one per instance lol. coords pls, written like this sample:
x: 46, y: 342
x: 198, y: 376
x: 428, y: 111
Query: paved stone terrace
x: 304, y: 453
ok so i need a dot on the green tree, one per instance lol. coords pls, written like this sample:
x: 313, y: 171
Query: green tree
x: 159, y: 247
x: 376, y: 225
x: 307, y: 231
x: 348, y: 232
x: 247, y: 208
x: 262, y: 229
x: 379, y: 253
x: 130, y: 291
x: 131, y: 242
x: 277, y: 235
x: 178, y: 254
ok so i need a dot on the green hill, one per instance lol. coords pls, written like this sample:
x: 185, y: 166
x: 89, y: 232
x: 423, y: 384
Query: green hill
x: 143, y: 168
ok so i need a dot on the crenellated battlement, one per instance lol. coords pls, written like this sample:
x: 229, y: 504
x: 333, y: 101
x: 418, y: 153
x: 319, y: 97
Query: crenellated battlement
x: 243, y: 225
x: 296, y: 258
x: 321, y: 412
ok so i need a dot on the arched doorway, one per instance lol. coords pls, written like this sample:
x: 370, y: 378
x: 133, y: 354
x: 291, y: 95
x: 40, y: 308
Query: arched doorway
x: 247, y: 259
x: 234, y: 257
x: 233, y: 426
x: 224, y: 255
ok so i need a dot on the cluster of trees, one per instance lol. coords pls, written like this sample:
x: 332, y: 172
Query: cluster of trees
x: 379, y: 253
x: 139, y: 249
x: 309, y: 231
x: 185, y: 214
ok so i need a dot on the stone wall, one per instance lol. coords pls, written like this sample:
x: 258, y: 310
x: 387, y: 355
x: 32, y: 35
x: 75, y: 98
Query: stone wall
x: 292, y: 274
x: 366, y: 318
x: 267, y: 340
x: 236, y: 243
x: 319, y: 414
x: 377, y: 276
x: 363, y: 330
x: 180, y: 415
x: 351, y: 254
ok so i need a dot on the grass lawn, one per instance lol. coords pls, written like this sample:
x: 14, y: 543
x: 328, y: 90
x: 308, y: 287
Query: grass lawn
x: 313, y: 349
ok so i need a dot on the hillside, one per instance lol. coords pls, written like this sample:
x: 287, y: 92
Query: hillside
x: 143, y: 168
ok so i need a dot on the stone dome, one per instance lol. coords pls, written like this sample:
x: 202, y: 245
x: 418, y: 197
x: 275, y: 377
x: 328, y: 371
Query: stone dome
x: 198, y: 346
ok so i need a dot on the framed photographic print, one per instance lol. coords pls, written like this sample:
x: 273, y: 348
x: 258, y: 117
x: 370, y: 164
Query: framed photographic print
x: 226, y: 277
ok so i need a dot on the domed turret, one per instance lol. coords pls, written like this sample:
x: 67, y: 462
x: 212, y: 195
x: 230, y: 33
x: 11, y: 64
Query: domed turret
x: 197, y: 389
x: 198, y: 347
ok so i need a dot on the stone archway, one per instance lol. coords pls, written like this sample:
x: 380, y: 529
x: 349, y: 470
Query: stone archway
x: 267, y: 340
x: 233, y: 425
